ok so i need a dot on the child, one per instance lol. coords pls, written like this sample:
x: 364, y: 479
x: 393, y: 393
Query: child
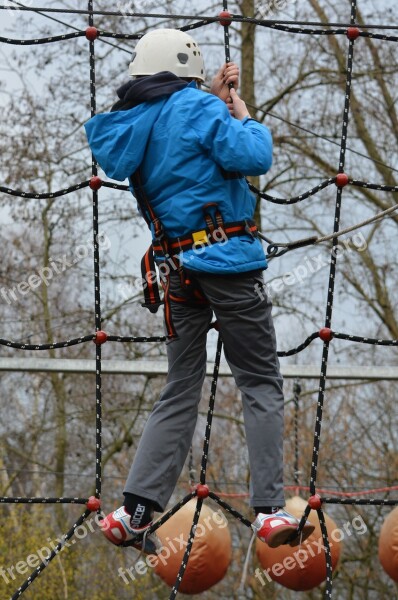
x: 186, y: 153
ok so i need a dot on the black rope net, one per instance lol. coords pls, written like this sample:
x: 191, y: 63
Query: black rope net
x: 201, y: 491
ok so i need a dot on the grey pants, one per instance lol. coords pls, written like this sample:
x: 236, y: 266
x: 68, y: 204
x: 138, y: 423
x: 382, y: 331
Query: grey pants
x: 243, y: 312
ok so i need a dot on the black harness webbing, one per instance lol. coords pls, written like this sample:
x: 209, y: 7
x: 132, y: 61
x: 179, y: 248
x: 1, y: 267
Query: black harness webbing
x: 152, y: 299
x: 148, y: 268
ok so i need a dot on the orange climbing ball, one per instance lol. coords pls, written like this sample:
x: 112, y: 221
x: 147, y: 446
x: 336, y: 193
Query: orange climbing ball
x: 211, y: 550
x: 303, y: 567
x: 388, y: 545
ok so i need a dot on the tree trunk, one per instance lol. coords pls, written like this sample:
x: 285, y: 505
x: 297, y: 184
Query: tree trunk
x: 248, y: 38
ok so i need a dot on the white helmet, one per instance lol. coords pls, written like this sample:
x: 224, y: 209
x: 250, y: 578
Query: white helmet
x: 168, y: 50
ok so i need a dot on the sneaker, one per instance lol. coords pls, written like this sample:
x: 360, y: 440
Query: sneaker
x: 117, y: 529
x: 279, y: 528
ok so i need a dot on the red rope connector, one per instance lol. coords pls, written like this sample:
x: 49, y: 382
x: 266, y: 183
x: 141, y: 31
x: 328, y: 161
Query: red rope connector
x: 91, y: 33
x: 100, y: 338
x: 93, y: 504
x: 225, y: 18
x: 315, y: 502
x: 342, y: 180
x: 353, y: 33
x: 202, y: 490
x: 95, y: 182
x: 326, y: 334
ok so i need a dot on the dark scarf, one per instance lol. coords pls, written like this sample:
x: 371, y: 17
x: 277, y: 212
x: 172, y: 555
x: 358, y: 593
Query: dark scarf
x: 145, y: 89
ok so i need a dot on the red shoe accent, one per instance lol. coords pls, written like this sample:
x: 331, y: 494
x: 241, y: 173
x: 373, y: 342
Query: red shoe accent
x: 279, y: 528
x: 116, y: 527
x: 113, y: 530
x: 277, y: 535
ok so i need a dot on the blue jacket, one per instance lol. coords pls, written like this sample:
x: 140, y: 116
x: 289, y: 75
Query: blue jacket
x: 184, y: 143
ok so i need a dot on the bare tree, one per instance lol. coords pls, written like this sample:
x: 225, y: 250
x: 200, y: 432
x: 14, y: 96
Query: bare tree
x: 48, y: 421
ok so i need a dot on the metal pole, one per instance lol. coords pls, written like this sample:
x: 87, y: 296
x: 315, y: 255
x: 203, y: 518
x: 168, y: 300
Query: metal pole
x: 159, y: 367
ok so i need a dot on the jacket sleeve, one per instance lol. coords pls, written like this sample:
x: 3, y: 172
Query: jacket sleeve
x: 118, y: 139
x: 244, y: 146
x: 109, y: 137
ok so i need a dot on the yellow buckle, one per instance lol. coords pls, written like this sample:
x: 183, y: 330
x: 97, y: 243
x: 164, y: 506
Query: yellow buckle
x: 200, y: 237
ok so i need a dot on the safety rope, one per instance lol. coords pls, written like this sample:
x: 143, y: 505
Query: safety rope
x: 209, y: 19
x: 97, y: 278
x: 101, y: 336
x: 343, y: 497
x: 296, y: 465
x: 202, y: 489
x: 326, y: 334
x: 329, y: 312
x: 322, y: 186
x: 273, y: 249
x: 96, y: 183
x: 373, y: 219
x: 285, y: 26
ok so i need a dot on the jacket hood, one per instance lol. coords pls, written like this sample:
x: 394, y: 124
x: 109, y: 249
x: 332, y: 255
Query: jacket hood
x: 146, y: 89
x: 118, y: 139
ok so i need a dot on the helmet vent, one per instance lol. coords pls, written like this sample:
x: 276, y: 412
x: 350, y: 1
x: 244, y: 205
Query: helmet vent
x: 183, y: 58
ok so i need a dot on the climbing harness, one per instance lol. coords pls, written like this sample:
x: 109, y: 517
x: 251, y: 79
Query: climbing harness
x: 167, y: 250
